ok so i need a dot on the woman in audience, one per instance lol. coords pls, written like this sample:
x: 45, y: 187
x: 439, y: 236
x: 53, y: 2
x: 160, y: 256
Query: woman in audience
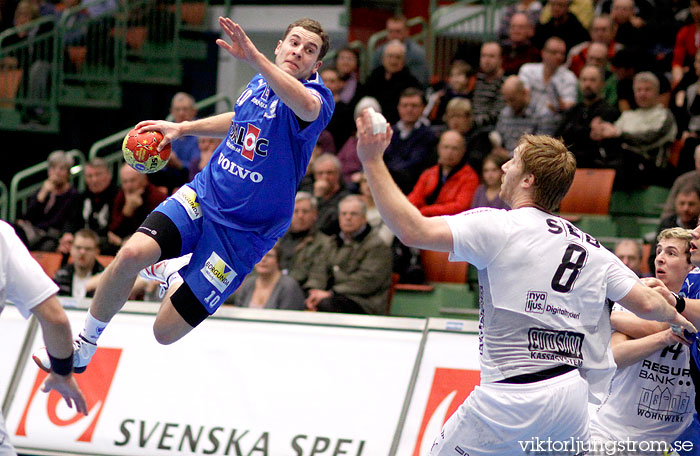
x: 346, y: 62
x: 486, y: 194
x: 268, y: 288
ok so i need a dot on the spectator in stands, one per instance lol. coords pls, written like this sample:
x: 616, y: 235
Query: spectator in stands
x: 618, y: 417
x: 302, y: 248
x: 690, y: 178
x: 688, y: 115
x: 552, y: 86
x: 328, y: 191
x: 487, y: 100
x: 519, y: 117
x: 487, y: 193
x: 347, y: 155
x: 136, y: 199
x: 448, y: 187
x: 176, y: 173
x: 416, y: 61
x: 623, y: 67
x: 386, y: 82
x: 598, y: 55
x: 686, y: 211
x: 347, y: 64
x: 630, y: 30
x: 79, y: 278
x: 53, y: 209
x: 183, y: 109
x: 268, y: 287
x: 458, y: 117
x: 582, y: 9
x: 358, y: 266
x: 97, y: 202
x: 575, y: 128
x: 686, y: 47
x: 601, y: 32
x: 206, y: 146
x: 640, y: 137
x: 532, y: 8
x: 562, y: 24
x: 460, y: 84
x: 411, y: 148
x: 374, y: 218
x: 629, y: 251
x: 32, y: 59
x: 341, y: 125
x: 518, y: 49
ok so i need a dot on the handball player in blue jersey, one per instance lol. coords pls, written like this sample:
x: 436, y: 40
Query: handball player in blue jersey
x: 221, y: 224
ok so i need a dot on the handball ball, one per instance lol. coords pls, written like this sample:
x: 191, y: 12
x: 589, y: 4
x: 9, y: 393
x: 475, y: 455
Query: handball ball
x: 141, y: 153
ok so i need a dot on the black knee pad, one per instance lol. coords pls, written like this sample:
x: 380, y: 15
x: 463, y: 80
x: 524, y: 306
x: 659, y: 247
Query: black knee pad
x: 159, y: 227
x: 188, y: 306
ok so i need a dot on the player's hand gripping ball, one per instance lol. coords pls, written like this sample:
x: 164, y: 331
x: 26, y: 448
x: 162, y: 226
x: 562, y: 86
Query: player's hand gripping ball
x: 141, y: 151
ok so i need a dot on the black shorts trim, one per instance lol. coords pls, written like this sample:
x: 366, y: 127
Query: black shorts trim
x: 188, y: 306
x: 159, y: 227
x: 539, y: 376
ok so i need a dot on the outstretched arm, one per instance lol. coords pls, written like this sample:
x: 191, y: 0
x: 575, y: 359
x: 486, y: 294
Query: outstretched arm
x: 398, y: 213
x: 292, y: 92
x: 59, y: 343
x: 215, y: 126
x: 654, y: 304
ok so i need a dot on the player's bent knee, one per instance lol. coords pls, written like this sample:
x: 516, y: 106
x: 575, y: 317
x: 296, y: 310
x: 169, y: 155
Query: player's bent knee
x: 165, y: 336
x: 133, y: 257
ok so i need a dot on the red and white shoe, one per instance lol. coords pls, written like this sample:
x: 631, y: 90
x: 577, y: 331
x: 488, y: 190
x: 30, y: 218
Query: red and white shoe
x: 165, y: 272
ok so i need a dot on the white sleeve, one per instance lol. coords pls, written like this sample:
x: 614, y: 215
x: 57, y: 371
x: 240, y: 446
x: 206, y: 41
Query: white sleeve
x: 27, y: 283
x: 478, y: 235
x: 620, y: 280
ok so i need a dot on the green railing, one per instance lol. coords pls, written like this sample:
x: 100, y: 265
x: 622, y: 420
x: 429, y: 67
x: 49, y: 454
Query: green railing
x: 26, y: 182
x: 452, y: 25
x: 91, y: 45
x: 4, y: 201
x: 81, y: 58
x: 378, y: 38
x: 110, y: 148
x: 28, y: 60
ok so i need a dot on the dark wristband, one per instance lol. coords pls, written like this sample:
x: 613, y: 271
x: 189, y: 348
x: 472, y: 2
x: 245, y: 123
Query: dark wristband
x: 61, y: 366
x: 680, y: 303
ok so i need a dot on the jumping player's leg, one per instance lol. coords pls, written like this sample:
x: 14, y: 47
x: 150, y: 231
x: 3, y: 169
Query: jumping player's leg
x: 119, y: 277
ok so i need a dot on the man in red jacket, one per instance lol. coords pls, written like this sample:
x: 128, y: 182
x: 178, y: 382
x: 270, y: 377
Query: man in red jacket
x: 448, y: 187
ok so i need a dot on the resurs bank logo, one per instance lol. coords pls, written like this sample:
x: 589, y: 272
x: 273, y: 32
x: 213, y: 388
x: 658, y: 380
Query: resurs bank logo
x: 449, y: 389
x: 41, y: 412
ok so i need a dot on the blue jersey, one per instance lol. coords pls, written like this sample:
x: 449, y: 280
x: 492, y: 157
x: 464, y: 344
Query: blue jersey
x: 691, y: 289
x: 691, y: 285
x: 251, y: 180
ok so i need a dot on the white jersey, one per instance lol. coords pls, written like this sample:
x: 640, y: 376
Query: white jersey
x: 542, y: 290
x: 652, y: 399
x: 22, y: 281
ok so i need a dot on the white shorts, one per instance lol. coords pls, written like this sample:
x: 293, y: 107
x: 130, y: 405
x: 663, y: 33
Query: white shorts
x: 504, y: 419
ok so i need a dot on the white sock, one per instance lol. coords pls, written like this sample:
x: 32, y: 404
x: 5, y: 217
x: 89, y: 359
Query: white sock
x: 93, y: 328
x: 174, y: 278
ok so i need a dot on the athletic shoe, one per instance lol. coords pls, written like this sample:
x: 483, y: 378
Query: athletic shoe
x: 165, y: 272
x: 82, y: 352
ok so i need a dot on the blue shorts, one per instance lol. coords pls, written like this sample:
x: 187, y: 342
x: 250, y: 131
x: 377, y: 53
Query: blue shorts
x: 221, y: 256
